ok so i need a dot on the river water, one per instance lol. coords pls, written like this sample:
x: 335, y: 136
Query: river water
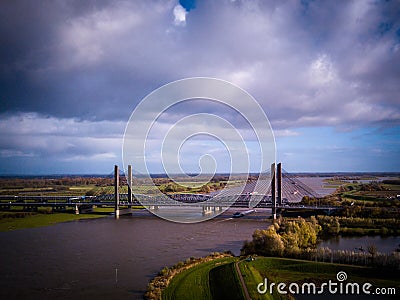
x: 107, y: 258
x: 383, y: 244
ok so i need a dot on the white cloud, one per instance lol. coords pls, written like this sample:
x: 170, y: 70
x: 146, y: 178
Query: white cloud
x: 180, y: 15
x: 322, y: 71
x: 285, y: 132
x: 32, y: 135
x: 8, y: 153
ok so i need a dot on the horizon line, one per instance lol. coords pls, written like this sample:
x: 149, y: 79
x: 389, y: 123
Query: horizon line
x: 196, y: 174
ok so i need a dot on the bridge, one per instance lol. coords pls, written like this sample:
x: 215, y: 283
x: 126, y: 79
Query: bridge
x: 280, y: 192
x: 32, y: 203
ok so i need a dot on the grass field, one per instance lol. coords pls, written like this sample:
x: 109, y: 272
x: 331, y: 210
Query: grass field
x: 252, y: 278
x: 218, y: 279
x: 224, y: 283
x: 30, y: 220
x: 194, y: 282
x: 40, y: 220
x: 299, y: 271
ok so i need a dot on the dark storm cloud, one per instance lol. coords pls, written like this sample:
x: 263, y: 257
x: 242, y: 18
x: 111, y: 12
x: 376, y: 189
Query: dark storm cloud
x: 93, y: 60
x: 37, y: 74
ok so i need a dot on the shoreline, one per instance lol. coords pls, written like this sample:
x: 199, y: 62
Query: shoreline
x: 35, y: 220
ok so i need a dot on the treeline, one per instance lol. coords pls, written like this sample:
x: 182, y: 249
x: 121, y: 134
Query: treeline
x: 21, y: 183
x: 16, y: 215
x: 391, y: 181
x: 369, y: 257
x: 351, y: 201
x: 358, y: 226
x: 173, y: 187
x: 298, y: 239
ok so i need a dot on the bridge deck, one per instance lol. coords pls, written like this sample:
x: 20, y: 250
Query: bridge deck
x: 13, y: 201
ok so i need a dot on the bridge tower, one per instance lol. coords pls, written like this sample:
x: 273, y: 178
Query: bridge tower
x: 279, y: 183
x: 116, y: 191
x: 130, y: 199
x: 273, y: 190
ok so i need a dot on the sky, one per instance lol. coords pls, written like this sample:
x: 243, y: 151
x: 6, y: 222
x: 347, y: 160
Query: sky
x: 326, y: 74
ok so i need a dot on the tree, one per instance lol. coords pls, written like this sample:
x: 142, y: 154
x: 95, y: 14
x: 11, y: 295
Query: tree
x: 205, y: 189
x: 269, y: 242
x: 290, y: 237
x: 372, y: 250
x: 330, y: 225
x: 265, y: 242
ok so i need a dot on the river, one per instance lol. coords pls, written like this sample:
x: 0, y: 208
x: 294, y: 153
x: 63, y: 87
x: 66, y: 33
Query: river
x: 107, y: 258
x: 382, y: 244
x: 114, y: 259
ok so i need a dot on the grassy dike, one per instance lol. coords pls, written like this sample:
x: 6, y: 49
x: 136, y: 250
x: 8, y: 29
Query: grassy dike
x: 300, y: 271
x: 217, y: 279
x: 197, y: 278
x: 203, y: 281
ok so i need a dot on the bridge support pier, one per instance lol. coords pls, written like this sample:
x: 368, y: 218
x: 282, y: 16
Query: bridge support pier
x: 30, y: 208
x: 207, y: 210
x: 76, y: 210
x: 153, y: 207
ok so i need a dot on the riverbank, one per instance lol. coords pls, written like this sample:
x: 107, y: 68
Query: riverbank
x: 22, y: 220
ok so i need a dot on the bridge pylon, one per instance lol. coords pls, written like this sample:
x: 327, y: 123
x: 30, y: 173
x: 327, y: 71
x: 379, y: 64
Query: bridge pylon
x: 279, y: 183
x: 116, y: 191
x: 117, y: 210
x: 273, y: 191
x: 276, y: 188
x: 130, y: 198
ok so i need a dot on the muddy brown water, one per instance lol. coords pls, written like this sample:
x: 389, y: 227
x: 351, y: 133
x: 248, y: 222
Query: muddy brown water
x: 107, y: 258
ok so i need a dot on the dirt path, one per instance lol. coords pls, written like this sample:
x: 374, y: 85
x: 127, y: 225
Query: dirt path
x: 246, y: 292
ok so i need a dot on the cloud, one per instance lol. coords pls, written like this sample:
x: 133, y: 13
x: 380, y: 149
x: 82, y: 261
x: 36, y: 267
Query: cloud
x: 180, y: 15
x: 299, y: 61
x: 72, y: 72
x: 32, y: 135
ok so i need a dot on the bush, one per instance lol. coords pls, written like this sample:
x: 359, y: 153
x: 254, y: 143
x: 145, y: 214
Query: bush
x: 290, y: 238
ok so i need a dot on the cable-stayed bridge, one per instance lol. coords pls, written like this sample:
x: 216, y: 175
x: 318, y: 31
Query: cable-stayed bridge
x: 278, y: 191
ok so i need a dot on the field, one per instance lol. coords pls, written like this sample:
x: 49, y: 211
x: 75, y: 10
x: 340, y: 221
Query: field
x: 218, y: 279
x: 30, y: 220
x: 299, y: 271
x: 224, y: 282
x: 194, y: 283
